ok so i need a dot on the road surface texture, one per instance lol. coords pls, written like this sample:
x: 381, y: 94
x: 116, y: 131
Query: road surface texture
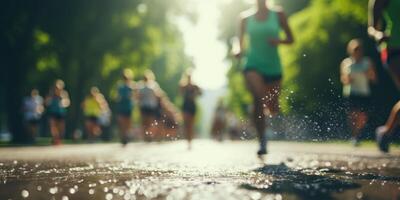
x: 211, y: 170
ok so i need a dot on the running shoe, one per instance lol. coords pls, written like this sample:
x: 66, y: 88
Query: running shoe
x: 382, y: 139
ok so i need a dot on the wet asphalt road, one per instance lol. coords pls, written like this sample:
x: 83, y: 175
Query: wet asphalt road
x: 211, y: 170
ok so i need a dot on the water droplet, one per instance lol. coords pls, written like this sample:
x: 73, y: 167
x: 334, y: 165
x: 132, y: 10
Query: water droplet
x: 64, y: 198
x: 72, y: 190
x: 53, y: 190
x: 127, y: 196
x: 109, y: 196
x: 25, y: 193
x: 91, y: 191
x: 39, y: 188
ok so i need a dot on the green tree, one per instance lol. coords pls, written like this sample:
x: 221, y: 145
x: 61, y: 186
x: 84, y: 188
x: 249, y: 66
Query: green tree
x: 85, y: 43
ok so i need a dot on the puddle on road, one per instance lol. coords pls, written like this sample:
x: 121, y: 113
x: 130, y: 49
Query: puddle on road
x: 300, y: 177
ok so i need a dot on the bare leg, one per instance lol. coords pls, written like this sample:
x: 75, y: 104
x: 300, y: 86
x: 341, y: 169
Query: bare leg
x: 55, y: 131
x: 255, y: 83
x: 273, y: 91
x: 357, y: 121
x: 189, y: 123
x: 392, y: 122
x: 33, y: 129
x: 124, y: 126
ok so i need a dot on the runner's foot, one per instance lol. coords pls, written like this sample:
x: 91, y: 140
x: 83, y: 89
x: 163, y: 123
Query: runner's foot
x: 382, y: 139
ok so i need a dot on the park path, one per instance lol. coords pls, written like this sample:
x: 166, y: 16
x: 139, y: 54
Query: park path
x: 211, y: 170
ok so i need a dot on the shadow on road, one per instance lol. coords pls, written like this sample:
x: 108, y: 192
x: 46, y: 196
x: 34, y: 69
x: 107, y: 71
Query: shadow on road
x: 304, y: 183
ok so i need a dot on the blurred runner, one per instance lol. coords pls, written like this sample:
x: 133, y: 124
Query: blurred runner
x: 149, y: 101
x: 263, y: 70
x: 57, y: 103
x: 356, y: 73
x: 33, y: 110
x: 93, y: 109
x: 219, y: 121
x: 125, y: 105
x: 189, y: 92
x: 387, y: 12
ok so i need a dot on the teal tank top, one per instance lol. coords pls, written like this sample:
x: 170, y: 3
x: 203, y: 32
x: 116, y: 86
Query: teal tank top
x: 392, y: 17
x: 125, y: 103
x: 261, y: 56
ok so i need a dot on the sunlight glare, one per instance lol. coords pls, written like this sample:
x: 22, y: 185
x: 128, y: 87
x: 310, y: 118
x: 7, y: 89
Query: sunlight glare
x: 202, y: 44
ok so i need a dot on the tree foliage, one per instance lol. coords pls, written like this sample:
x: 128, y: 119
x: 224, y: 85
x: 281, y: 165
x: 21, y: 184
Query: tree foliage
x: 85, y: 43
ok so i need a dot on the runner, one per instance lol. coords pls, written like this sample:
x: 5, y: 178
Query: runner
x: 356, y: 73
x: 92, y: 109
x: 387, y: 11
x: 57, y: 103
x: 263, y: 70
x: 149, y: 102
x: 189, y: 92
x: 33, y: 110
x: 125, y: 105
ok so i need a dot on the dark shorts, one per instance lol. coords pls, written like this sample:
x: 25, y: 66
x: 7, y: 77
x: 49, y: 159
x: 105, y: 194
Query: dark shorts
x: 267, y: 78
x: 189, y: 107
x: 360, y: 103
x: 33, y: 122
x: 149, y: 111
x: 57, y: 116
x: 93, y: 119
x: 125, y: 113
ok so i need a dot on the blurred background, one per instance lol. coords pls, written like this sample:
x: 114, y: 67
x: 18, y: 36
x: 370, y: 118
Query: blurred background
x: 88, y: 43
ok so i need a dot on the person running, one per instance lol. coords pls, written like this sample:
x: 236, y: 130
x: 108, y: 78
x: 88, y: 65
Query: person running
x: 33, y: 110
x: 92, y: 109
x: 356, y: 74
x: 149, y: 98
x: 125, y: 105
x: 189, y: 92
x: 219, y: 121
x: 57, y: 103
x: 387, y: 12
x: 263, y: 70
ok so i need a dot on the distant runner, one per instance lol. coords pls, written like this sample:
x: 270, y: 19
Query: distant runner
x: 189, y: 92
x: 356, y: 74
x: 33, y: 110
x: 57, y: 103
x: 125, y: 106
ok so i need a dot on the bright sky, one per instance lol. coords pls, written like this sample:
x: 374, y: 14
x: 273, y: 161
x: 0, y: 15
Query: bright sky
x: 202, y: 44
